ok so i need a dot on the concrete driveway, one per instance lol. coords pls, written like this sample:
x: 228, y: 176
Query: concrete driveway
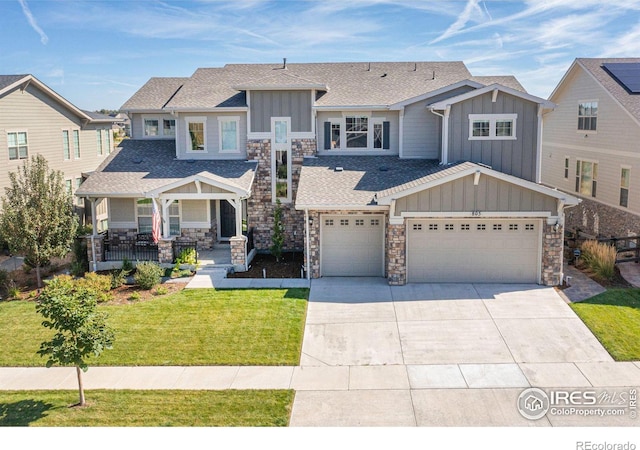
x: 362, y: 322
x: 444, y: 355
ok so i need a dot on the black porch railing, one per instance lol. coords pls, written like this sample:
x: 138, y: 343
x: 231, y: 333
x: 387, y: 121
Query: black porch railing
x: 249, y: 235
x: 133, y: 250
x: 183, y: 249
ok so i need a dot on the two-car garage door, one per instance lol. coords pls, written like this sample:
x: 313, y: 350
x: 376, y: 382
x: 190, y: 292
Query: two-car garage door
x: 352, y: 245
x: 447, y: 250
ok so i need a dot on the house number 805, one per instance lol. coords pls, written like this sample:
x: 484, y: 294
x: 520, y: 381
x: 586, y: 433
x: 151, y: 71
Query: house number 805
x: 475, y: 213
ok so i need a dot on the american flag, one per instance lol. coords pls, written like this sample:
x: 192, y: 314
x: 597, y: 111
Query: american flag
x: 155, y: 223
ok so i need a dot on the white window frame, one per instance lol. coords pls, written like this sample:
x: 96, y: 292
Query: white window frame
x: 161, y: 134
x: 228, y: 119
x: 493, y: 119
x: 99, y: 142
x: 590, y: 116
x: 594, y: 177
x: 66, y: 150
x: 16, y: 132
x: 166, y: 220
x: 77, y: 181
x: 628, y: 187
x: 274, y: 148
x: 76, y: 149
x: 195, y: 119
x: 371, y: 123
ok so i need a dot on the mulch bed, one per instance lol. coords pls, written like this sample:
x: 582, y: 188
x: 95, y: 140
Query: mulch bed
x: 616, y: 282
x: 288, y: 267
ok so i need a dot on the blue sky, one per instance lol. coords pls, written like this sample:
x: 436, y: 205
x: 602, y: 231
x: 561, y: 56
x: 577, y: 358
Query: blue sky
x: 98, y: 53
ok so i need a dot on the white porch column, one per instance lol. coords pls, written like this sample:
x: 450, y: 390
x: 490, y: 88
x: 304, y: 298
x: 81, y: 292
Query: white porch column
x: 238, y: 217
x: 94, y: 220
x: 164, y: 217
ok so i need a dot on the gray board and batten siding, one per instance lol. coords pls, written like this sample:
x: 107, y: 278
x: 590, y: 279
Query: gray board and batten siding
x: 267, y: 104
x: 514, y: 157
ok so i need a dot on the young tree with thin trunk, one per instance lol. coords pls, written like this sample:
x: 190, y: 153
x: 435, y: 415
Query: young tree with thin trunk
x: 72, y: 310
x: 37, y: 218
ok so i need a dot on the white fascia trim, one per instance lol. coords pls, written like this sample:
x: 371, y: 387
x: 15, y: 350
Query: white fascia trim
x: 348, y: 108
x: 201, y: 110
x: 568, y: 199
x: 196, y: 178
x: 89, y: 195
x: 311, y: 207
x: 281, y: 87
x: 213, y: 196
x: 442, y: 90
x: 490, y: 88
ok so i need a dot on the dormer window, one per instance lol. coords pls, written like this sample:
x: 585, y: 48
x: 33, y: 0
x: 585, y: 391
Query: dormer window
x: 196, y: 135
x: 157, y: 127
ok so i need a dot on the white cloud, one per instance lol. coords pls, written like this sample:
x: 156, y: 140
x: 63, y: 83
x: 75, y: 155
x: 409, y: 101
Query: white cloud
x: 627, y: 44
x: 472, y: 8
x: 32, y: 21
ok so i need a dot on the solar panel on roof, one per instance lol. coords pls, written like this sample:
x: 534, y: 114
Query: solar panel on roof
x: 627, y: 74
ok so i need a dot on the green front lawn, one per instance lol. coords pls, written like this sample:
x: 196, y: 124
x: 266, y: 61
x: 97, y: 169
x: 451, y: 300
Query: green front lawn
x: 191, y: 327
x: 231, y: 408
x: 614, y: 318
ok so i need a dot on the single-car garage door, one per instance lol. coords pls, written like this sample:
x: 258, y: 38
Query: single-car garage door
x: 352, y: 246
x: 489, y: 251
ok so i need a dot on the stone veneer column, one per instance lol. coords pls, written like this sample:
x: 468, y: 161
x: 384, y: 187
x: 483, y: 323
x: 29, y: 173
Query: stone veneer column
x: 165, y: 250
x: 314, y: 245
x: 239, y: 253
x: 552, y: 242
x: 98, y: 244
x: 396, y: 255
x: 260, y: 204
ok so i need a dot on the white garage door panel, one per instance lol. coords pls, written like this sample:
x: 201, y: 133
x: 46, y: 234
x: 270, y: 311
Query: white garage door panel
x: 501, y: 251
x: 352, y: 245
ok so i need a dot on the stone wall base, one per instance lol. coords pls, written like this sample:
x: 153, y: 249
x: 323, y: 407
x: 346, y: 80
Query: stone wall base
x: 594, y: 218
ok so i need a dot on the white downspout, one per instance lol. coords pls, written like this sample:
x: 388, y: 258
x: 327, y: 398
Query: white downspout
x: 308, y: 245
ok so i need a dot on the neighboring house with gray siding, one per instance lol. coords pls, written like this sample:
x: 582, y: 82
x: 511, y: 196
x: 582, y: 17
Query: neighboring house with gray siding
x: 416, y: 172
x: 36, y: 120
x: 591, y: 144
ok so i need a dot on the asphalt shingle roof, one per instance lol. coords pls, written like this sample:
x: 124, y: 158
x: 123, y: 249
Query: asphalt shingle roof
x: 349, y: 84
x: 154, y: 94
x: 629, y: 101
x: 140, y: 166
x: 364, y: 177
x: 8, y: 80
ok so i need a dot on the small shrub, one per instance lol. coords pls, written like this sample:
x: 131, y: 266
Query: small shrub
x: 127, y: 265
x: 162, y: 290
x: 148, y: 274
x: 187, y: 256
x: 135, y: 296
x: 4, y: 281
x: 600, y: 258
x: 100, y: 285
x: 118, y: 278
x: 13, y: 291
x: 80, y: 260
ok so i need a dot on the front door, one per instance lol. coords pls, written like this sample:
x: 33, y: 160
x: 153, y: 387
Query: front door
x: 227, y: 219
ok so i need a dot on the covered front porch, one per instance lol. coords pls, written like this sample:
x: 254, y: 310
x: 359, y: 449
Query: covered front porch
x: 200, y: 214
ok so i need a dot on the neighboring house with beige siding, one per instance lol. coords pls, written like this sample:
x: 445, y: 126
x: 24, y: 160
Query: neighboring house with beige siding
x: 591, y: 144
x: 36, y: 120
x: 412, y: 171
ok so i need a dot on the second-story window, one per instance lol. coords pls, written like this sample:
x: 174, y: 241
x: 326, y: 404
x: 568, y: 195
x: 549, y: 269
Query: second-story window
x: 66, y: 148
x: 625, y: 179
x: 588, y: 116
x: 356, y: 130
x: 17, y: 144
x: 492, y: 126
x: 76, y: 144
x: 586, y: 178
x: 168, y: 127
x: 99, y: 142
x: 229, y: 134
x: 356, y: 133
x: 196, y: 136
x: 150, y: 127
x: 107, y: 139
